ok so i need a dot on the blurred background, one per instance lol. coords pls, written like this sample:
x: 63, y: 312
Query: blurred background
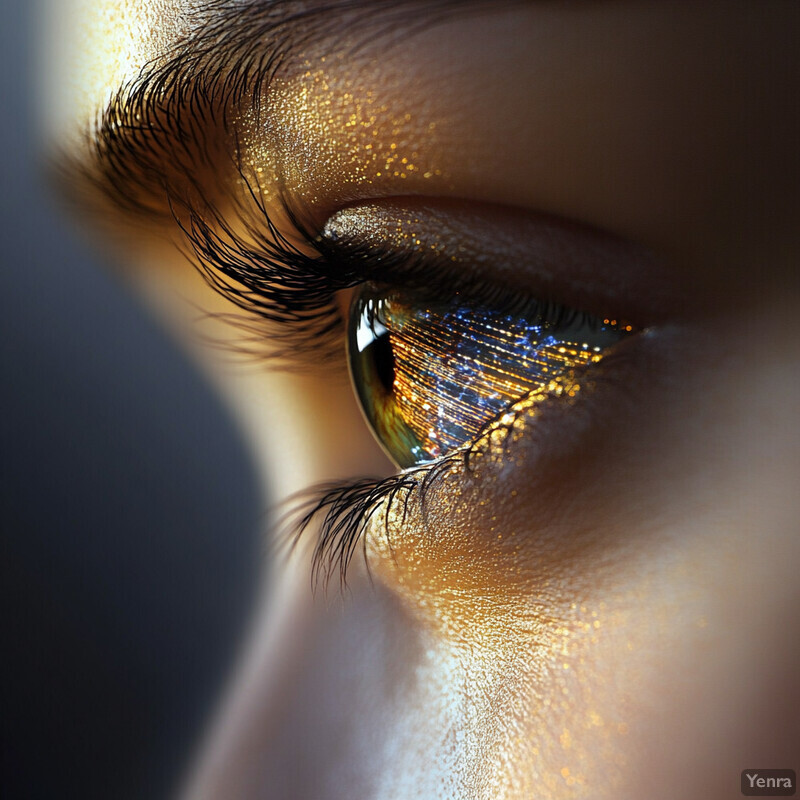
x: 130, y: 514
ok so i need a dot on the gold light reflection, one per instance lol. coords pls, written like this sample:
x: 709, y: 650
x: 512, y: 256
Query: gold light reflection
x: 428, y: 358
x: 432, y: 376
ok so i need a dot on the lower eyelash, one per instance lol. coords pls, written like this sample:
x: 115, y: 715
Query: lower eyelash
x: 346, y: 509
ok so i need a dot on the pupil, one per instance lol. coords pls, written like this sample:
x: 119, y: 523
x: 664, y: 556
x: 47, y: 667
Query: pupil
x: 381, y: 352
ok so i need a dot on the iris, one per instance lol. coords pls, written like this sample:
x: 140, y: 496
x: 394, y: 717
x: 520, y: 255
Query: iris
x: 431, y: 374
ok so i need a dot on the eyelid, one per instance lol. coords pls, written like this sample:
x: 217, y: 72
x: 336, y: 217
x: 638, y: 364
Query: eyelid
x: 524, y: 253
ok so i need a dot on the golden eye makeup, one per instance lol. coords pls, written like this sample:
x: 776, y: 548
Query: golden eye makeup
x: 458, y: 323
x: 430, y: 375
x: 462, y: 314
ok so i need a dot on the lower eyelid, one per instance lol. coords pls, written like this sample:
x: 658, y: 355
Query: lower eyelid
x: 454, y: 511
x: 506, y: 520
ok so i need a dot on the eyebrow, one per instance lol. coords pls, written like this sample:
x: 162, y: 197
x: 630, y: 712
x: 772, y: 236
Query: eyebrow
x: 141, y: 153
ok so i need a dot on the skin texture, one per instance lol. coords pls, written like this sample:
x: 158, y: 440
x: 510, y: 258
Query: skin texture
x: 606, y: 607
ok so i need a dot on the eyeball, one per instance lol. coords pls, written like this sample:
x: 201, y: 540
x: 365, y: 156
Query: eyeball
x: 431, y: 374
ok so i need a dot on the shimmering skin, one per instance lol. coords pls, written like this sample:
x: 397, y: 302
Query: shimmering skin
x: 343, y: 137
x: 96, y: 46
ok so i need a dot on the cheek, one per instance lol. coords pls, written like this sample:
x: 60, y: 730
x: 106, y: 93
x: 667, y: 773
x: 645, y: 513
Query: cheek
x: 615, y: 678
x: 618, y: 617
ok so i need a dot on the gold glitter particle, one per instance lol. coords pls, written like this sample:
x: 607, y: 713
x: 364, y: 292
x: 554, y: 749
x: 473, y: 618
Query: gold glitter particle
x: 331, y: 132
x: 595, y: 719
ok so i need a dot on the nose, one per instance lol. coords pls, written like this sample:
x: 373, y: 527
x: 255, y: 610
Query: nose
x: 326, y: 703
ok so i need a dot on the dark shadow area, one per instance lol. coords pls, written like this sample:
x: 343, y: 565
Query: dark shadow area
x: 130, y: 551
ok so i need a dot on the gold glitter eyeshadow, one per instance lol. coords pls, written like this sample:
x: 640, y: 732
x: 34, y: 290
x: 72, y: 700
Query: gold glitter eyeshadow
x: 431, y: 375
x: 331, y: 133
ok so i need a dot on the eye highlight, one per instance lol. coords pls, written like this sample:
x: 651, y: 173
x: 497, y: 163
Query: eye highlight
x: 431, y: 374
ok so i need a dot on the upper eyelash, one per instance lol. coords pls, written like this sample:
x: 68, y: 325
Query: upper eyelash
x: 264, y: 275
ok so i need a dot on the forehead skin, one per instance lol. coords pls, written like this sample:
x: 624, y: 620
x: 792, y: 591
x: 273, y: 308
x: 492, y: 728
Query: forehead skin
x: 96, y: 46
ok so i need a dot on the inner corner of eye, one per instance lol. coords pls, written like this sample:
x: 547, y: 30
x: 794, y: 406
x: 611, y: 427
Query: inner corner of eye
x: 343, y: 300
x: 431, y: 374
x: 343, y: 225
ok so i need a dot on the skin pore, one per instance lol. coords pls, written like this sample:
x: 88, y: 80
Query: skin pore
x: 606, y: 604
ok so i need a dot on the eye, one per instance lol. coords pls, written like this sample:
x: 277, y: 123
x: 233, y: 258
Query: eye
x: 430, y: 374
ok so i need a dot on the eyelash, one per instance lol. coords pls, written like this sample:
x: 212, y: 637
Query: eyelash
x: 268, y: 278
x: 348, y: 508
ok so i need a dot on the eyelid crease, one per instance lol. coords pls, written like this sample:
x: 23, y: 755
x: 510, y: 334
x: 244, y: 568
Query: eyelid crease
x: 528, y: 253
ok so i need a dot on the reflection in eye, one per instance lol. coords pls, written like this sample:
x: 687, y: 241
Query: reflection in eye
x: 430, y: 375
